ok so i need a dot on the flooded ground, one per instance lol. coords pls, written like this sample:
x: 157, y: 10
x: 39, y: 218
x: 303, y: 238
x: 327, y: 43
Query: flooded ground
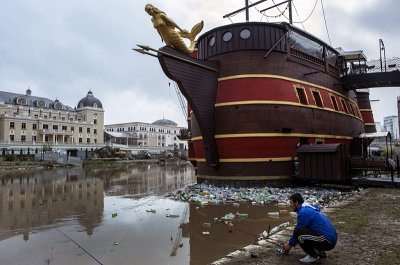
x: 118, y: 215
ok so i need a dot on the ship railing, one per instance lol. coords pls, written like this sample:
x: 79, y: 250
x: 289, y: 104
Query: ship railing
x: 375, y: 164
x: 307, y: 57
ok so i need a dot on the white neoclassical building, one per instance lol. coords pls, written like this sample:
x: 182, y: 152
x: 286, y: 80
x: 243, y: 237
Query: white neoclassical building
x: 158, y: 136
x: 32, y: 121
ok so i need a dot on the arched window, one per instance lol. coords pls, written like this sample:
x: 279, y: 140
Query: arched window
x: 21, y: 101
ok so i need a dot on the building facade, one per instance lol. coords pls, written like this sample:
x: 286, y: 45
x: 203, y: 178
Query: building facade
x: 27, y: 120
x: 391, y: 124
x: 157, y: 136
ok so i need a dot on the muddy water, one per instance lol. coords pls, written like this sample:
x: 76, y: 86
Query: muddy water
x: 118, y: 215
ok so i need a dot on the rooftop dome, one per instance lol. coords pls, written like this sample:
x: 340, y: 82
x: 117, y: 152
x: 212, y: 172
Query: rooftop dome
x: 165, y: 122
x: 90, y: 101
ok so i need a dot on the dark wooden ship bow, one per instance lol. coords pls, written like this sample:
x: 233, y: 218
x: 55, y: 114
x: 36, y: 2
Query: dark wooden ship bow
x: 197, y: 80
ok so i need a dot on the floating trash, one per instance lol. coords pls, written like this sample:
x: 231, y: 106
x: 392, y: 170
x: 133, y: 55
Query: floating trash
x: 208, y: 194
x: 151, y: 211
x: 172, y: 215
x: 114, y: 215
x: 273, y: 214
x: 207, y: 225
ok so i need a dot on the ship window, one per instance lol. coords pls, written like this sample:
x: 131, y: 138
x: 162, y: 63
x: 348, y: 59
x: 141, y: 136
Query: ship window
x: 245, y: 34
x: 211, y: 41
x: 227, y: 36
x: 334, y: 102
x: 301, y: 95
x: 344, y: 106
x: 317, y: 99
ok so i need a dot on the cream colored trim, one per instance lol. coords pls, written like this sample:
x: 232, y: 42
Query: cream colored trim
x: 369, y: 124
x: 196, y: 138
x: 244, y: 177
x: 270, y: 102
x: 249, y: 160
x: 282, y: 78
x: 252, y: 160
x: 240, y: 135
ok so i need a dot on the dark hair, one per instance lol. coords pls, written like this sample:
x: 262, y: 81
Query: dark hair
x: 296, y: 197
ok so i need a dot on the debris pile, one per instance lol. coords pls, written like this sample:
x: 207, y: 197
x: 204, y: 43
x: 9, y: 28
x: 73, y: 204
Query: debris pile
x: 208, y: 194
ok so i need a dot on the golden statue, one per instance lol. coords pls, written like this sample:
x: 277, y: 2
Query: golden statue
x: 166, y: 28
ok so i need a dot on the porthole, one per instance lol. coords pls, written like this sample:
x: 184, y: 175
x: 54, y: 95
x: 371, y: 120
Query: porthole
x: 245, y: 34
x: 211, y: 41
x: 227, y: 36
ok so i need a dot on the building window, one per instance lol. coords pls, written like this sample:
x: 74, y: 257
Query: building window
x: 95, y: 131
x: 21, y: 101
x: 12, y: 125
x: 80, y: 129
x: 72, y: 128
x: 11, y: 138
x: 301, y: 95
x: 80, y: 140
x: 23, y: 126
x: 23, y: 138
x: 34, y: 126
x: 55, y: 127
x: 88, y: 140
x: 95, y: 121
x: 88, y: 130
x: 64, y: 128
x: 317, y: 99
x: 45, y: 126
x: 40, y: 104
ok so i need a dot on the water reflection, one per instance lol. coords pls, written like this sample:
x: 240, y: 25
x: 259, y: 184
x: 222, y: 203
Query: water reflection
x: 143, y: 180
x: 118, y: 214
x: 43, y: 198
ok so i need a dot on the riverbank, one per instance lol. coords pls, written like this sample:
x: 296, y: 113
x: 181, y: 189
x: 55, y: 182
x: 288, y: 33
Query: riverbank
x: 368, y: 227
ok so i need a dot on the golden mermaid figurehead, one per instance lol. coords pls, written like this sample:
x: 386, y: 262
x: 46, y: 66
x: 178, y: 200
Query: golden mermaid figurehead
x: 166, y: 28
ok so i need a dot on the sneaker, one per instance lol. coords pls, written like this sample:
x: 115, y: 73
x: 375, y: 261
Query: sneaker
x: 308, y: 259
x: 322, y: 254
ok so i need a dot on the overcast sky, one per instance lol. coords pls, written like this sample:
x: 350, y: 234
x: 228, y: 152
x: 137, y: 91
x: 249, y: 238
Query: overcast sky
x: 64, y: 48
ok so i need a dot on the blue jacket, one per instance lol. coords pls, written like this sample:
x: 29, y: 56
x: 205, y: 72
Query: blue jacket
x: 310, y: 217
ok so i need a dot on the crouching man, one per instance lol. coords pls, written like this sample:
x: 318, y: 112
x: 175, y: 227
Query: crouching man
x: 313, y: 232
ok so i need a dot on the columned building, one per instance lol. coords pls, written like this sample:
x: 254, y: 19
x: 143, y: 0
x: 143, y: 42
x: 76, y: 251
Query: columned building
x: 159, y: 135
x: 27, y: 120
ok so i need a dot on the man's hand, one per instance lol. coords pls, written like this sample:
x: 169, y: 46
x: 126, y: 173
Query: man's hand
x: 286, y: 247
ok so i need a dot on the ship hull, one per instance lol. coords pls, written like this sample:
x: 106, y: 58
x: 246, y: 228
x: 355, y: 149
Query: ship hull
x: 270, y: 89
